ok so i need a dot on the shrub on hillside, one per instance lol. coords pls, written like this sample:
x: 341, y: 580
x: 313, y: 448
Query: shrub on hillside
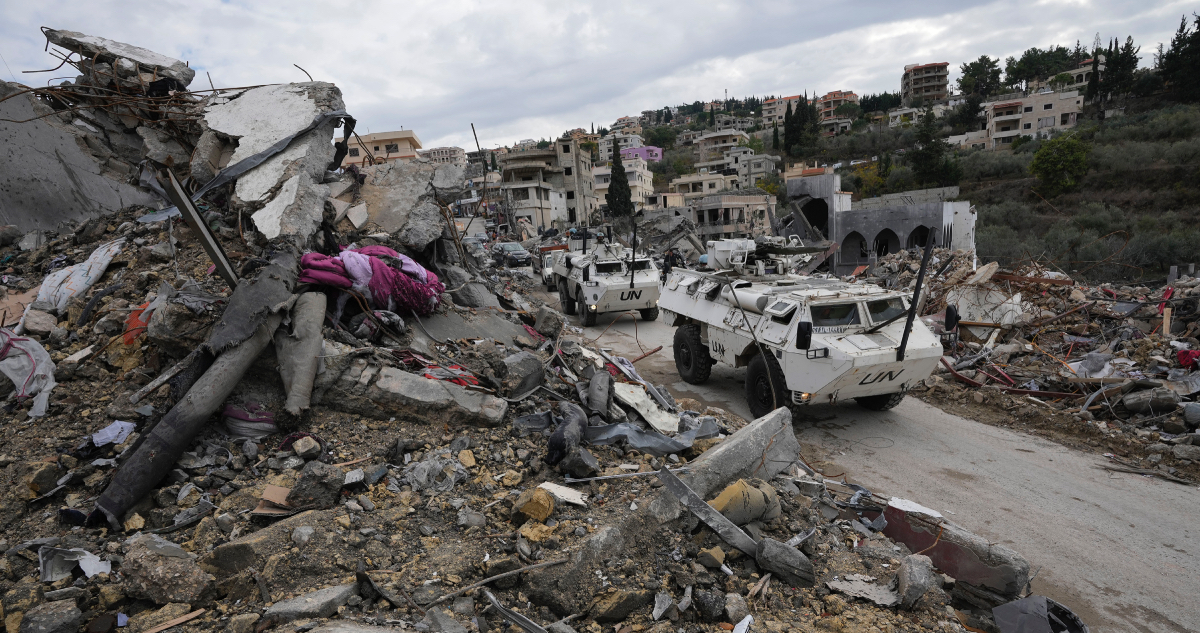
x: 1059, y: 164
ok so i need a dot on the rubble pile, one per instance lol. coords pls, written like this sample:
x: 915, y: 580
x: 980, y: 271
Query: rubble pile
x: 364, y: 421
x: 1109, y: 366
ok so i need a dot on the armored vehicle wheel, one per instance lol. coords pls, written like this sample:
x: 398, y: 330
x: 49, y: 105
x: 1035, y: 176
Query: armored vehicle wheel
x: 691, y: 356
x: 764, y: 371
x: 589, y: 315
x: 649, y: 314
x: 564, y: 298
x: 881, y: 402
x: 550, y: 287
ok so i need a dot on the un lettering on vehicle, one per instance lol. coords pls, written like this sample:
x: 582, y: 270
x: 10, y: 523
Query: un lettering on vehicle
x: 630, y: 295
x: 883, y: 376
x: 717, y: 347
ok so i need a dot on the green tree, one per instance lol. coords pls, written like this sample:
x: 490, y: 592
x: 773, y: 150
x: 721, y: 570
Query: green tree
x: 667, y: 116
x: 969, y: 114
x: 849, y: 110
x: 494, y: 168
x: 1180, y: 62
x: 775, y: 138
x: 789, y: 129
x: 1093, y: 85
x: 1060, y: 164
x: 980, y: 77
x: 543, y: 144
x: 619, y: 196
x: 1121, y: 68
x: 931, y: 161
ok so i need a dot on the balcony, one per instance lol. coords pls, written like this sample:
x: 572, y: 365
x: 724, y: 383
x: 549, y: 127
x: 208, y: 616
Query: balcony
x: 1006, y: 117
x: 1006, y: 134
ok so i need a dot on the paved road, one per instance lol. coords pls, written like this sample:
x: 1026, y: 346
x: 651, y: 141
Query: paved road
x: 1119, y: 550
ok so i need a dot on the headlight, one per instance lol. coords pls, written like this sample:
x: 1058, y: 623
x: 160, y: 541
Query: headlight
x: 591, y: 284
x: 592, y: 308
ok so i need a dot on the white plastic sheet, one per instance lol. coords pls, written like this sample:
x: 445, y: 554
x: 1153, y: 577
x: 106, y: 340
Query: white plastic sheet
x: 114, y: 433
x: 27, y: 364
x: 60, y: 286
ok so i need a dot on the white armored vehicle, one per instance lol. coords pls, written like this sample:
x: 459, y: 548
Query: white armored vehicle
x: 805, y: 340
x: 605, y: 277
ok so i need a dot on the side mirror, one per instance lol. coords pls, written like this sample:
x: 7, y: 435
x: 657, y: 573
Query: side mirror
x: 803, y: 334
x: 952, y: 318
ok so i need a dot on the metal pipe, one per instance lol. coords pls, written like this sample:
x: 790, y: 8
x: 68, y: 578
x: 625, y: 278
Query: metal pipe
x: 912, y: 309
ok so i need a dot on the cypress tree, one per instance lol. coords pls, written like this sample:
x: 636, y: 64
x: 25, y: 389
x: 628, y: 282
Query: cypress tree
x: 619, y: 196
x: 775, y: 138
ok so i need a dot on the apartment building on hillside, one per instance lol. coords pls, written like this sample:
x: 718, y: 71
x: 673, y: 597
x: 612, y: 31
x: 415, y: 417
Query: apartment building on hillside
x: 732, y: 215
x: 637, y: 173
x: 1036, y: 115
x: 830, y: 102
x: 648, y: 153
x: 926, y: 82
x: 710, y: 146
x: 624, y: 122
x: 730, y: 122
x: 696, y: 186
x: 743, y: 162
x: 774, y: 109
x: 452, y: 155
x: 381, y: 147
x: 621, y: 141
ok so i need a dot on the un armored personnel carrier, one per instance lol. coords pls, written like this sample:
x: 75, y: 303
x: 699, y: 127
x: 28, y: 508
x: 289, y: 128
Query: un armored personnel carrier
x: 803, y: 340
x: 605, y: 277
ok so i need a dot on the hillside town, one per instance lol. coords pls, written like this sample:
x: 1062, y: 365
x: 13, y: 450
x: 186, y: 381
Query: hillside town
x: 924, y: 359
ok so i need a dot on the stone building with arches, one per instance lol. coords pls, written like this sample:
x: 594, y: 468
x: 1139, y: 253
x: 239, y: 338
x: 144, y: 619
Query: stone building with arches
x: 870, y: 229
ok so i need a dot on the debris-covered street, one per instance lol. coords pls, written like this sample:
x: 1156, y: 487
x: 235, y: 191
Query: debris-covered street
x: 1106, y: 538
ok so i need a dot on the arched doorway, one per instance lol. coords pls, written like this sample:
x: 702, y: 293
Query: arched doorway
x: 886, y: 242
x: 854, y: 249
x: 918, y: 237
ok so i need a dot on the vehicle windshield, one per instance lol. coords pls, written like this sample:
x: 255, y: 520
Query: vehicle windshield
x: 884, y: 309
x: 641, y: 264
x: 835, y: 314
x: 511, y: 247
x: 608, y: 268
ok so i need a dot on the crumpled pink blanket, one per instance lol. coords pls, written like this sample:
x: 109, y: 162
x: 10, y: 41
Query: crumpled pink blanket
x: 404, y: 284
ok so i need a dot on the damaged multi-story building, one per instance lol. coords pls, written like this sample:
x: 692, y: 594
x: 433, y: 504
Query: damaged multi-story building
x: 551, y: 187
x: 871, y: 228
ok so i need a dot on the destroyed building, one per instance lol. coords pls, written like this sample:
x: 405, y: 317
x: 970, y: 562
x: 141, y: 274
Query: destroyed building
x: 552, y: 187
x: 871, y: 229
x: 281, y: 395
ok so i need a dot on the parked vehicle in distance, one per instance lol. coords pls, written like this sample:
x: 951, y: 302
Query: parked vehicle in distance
x: 511, y: 254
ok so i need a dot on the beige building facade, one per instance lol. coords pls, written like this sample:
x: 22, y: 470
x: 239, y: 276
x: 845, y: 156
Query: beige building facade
x: 381, y: 147
x: 927, y: 82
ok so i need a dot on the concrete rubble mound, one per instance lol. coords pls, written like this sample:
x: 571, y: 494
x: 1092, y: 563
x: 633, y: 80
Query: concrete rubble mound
x: 245, y: 405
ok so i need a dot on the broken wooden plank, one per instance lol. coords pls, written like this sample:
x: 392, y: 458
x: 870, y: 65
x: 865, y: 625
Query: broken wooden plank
x: 1033, y: 280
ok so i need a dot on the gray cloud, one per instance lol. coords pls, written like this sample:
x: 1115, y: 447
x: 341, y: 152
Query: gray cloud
x: 535, y: 68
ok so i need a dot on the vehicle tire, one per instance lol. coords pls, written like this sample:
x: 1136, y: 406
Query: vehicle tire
x: 564, y: 298
x: 764, y: 371
x: 589, y: 315
x: 649, y: 314
x: 881, y: 402
x: 691, y: 356
x: 550, y: 286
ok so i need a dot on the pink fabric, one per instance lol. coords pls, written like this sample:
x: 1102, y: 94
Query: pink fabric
x: 410, y: 287
x: 316, y: 268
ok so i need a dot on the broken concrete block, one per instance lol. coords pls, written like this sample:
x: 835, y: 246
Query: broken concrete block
x: 317, y: 604
x: 916, y: 576
x: 787, y: 563
x: 969, y: 558
x: 580, y: 462
x: 173, y: 329
x: 306, y: 447
x: 1186, y: 451
x: 159, y: 147
x: 435, y: 401
x: 549, y: 322
x: 160, y: 570
x: 340, y: 207
x: 401, y: 198
x: 736, y: 608
x: 105, y: 50
x: 522, y: 372
x: 1160, y: 400
x: 206, y: 158
x: 357, y: 215
x: 40, y: 323
x: 62, y: 616
x: 710, y: 605
x: 320, y: 485
x: 442, y: 621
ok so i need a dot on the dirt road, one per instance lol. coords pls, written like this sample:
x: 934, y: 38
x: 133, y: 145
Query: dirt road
x: 1120, y: 550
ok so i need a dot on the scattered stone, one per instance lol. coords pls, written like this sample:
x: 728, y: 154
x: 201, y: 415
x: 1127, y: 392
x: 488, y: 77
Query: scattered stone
x: 535, y: 504
x: 442, y: 621
x: 916, y: 576
x: 301, y: 535
x: 549, y: 322
x: 468, y: 518
x: 736, y: 608
x: 710, y: 605
x: 52, y: 617
x: 320, y: 485
x: 159, y: 570
x: 317, y: 604
x: 40, y: 323
x: 306, y: 448
x: 523, y: 372
x: 787, y: 563
x: 243, y: 623
x: 147, y: 620
x: 616, y: 605
x: 580, y: 463
x: 712, y: 557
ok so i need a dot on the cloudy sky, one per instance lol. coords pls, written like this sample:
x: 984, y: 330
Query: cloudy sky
x: 535, y: 68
